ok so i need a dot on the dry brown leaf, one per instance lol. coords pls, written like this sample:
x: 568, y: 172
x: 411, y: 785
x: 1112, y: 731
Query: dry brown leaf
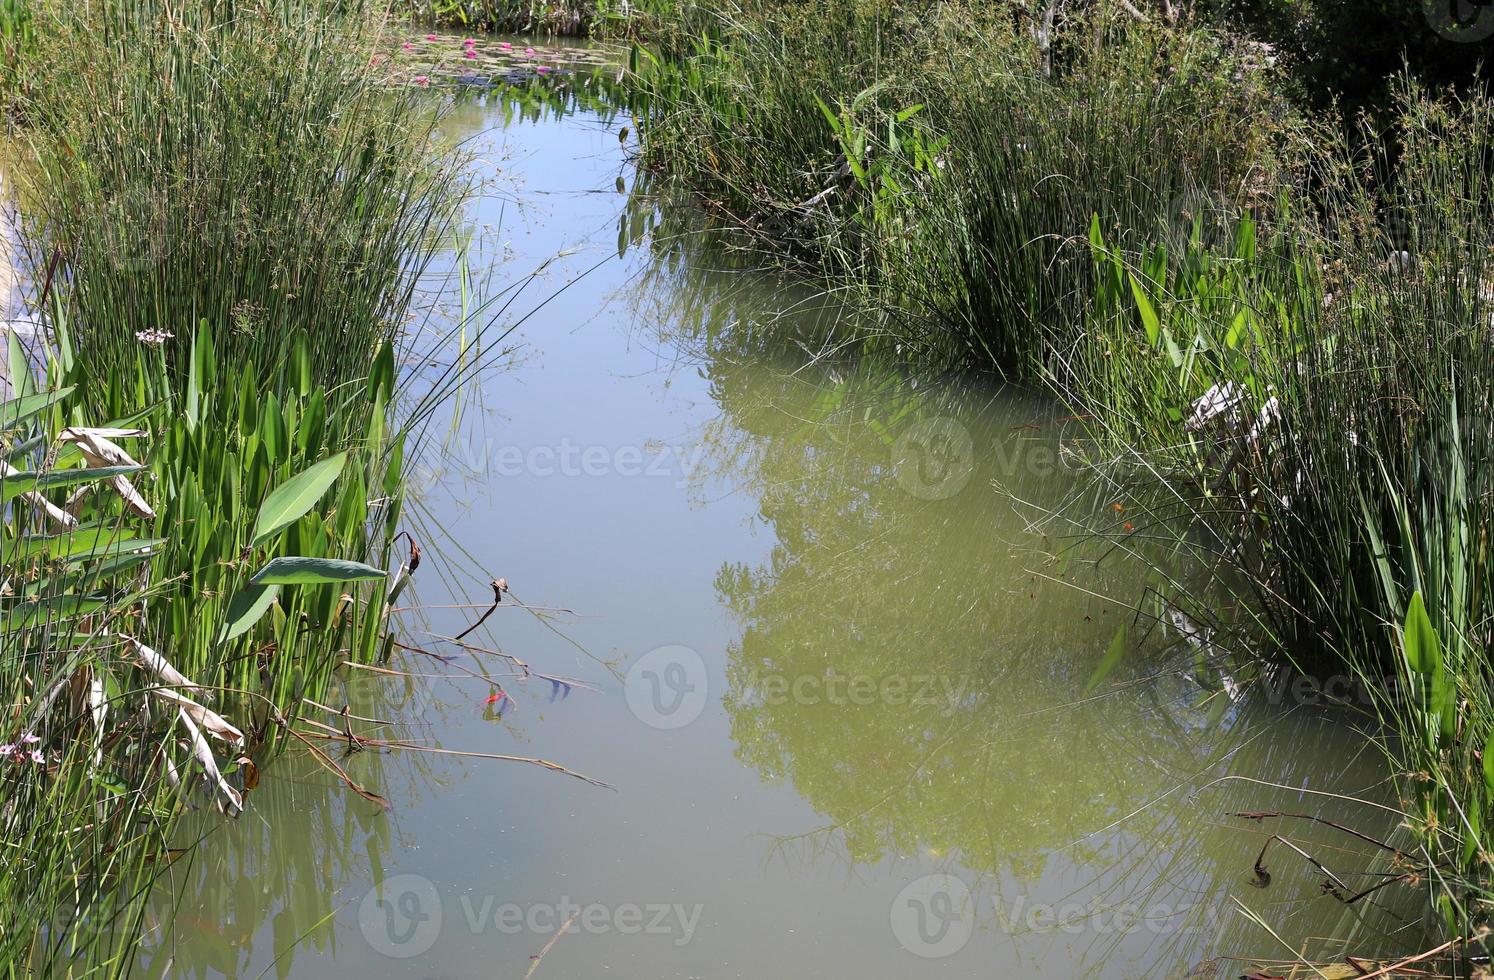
x: 98, y: 450
x: 161, y: 667
x: 204, y: 755
x: 215, y: 723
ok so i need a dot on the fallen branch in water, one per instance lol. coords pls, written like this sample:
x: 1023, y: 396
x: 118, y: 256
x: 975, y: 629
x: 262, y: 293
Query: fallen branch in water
x: 553, y: 939
x: 341, y: 773
x: 333, y: 734
x: 1335, y: 886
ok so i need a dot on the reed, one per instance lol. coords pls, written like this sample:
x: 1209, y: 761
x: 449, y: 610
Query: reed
x: 1309, y: 413
x: 235, y: 219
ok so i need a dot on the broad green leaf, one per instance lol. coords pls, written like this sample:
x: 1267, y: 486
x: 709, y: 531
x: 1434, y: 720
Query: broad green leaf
x: 54, y: 610
x: 290, y: 501
x: 81, y: 542
x: 1423, y: 649
x: 192, y: 399
x: 246, y: 608
x: 1149, y: 318
x: 20, y: 409
x: 313, y: 571
x: 15, y: 484
x: 1109, y: 661
x: 1445, y: 703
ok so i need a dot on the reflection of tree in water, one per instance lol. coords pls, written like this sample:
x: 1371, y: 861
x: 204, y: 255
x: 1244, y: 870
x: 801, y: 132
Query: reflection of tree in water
x: 1011, y: 771
x: 302, y: 838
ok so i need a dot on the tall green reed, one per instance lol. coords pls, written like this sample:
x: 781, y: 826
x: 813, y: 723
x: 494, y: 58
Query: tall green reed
x: 1311, y: 413
x: 236, y: 219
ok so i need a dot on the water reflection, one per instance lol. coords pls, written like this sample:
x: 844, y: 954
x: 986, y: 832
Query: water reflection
x: 903, y: 661
x: 915, y: 658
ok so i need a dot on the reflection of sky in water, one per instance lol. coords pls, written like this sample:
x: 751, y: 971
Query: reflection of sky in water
x: 758, y: 516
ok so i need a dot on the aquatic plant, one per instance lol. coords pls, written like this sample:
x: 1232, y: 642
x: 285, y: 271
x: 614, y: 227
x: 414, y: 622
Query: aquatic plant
x: 228, y: 276
x: 1311, y: 414
x: 945, y: 167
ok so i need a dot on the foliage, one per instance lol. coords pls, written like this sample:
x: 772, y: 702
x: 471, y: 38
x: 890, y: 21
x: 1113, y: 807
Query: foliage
x: 231, y: 217
x: 241, y: 165
x: 945, y: 167
x: 1314, y: 415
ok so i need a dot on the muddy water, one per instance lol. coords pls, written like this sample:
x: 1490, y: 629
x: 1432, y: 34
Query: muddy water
x: 822, y: 636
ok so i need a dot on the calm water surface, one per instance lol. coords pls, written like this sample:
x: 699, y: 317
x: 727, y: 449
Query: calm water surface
x: 810, y: 626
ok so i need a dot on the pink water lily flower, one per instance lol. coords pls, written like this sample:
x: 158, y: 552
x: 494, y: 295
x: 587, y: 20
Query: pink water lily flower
x: 507, y: 46
x: 529, y: 52
x: 471, y: 42
x: 430, y: 37
x: 543, y: 69
x: 471, y: 54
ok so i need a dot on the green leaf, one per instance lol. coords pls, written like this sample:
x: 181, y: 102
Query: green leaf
x: 20, y: 409
x: 1423, y: 649
x: 246, y: 608
x: 1109, y: 661
x: 191, y: 409
x: 1149, y: 318
x: 313, y: 571
x: 1444, y: 703
x: 15, y: 484
x: 1489, y: 763
x: 110, y: 783
x: 290, y: 501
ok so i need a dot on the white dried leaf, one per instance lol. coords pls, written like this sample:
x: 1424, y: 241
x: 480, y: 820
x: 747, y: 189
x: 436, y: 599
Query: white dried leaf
x: 98, y: 450
x: 204, y: 755
x: 216, y: 724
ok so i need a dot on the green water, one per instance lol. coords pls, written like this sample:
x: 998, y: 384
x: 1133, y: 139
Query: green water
x: 820, y: 630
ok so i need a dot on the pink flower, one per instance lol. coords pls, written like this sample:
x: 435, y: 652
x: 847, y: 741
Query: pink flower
x: 37, y: 757
x: 471, y: 42
x: 529, y: 52
x: 542, y: 69
x: 7, y: 750
x: 30, y: 739
x: 422, y: 80
x: 430, y: 37
x: 506, y: 46
x: 471, y: 53
x: 407, y: 46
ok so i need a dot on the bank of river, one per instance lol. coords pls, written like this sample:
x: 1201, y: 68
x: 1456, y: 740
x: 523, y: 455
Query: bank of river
x: 807, y: 623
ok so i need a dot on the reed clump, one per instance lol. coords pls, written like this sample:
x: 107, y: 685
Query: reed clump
x: 944, y: 164
x: 1308, y: 410
x: 230, y: 218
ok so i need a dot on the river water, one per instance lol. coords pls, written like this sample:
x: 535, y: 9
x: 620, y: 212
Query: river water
x: 816, y: 628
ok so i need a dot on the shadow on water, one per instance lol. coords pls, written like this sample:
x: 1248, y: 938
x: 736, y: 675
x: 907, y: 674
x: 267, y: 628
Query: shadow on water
x: 913, y: 752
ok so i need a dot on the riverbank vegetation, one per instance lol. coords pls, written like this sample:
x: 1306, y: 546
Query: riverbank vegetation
x: 1261, y: 286
x: 226, y: 215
